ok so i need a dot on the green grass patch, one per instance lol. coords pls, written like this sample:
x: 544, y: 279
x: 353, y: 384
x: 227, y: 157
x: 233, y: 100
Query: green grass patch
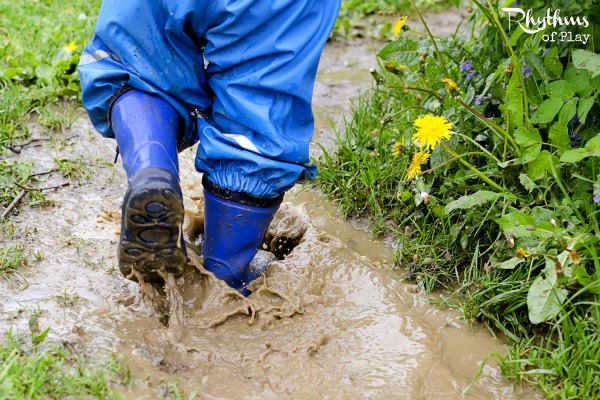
x: 12, y: 258
x: 33, y: 371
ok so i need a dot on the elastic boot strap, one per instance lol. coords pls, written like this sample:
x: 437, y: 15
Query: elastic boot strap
x: 241, y: 198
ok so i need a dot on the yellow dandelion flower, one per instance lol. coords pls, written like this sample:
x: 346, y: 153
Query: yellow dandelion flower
x: 450, y: 85
x: 431, y: 129
x: 402, y: 66
x: 521, y: 253
x: 397, y: 149
x: 414, y: 168
x: 70, y: 47
x: 399, y: 25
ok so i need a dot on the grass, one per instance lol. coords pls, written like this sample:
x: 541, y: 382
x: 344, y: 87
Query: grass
x: 33, y: 371
x: 12, y: 258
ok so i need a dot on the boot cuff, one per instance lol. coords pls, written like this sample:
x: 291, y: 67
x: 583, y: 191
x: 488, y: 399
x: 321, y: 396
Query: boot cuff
x: 241, y: 198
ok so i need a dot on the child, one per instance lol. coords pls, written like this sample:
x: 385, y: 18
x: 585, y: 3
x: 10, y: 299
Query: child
x: 237, y: 76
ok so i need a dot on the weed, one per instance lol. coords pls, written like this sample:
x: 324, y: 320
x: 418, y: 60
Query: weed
x: 73, y: 169
x: 55, y: 372
x: 67, y: 299
x: 12, y: 258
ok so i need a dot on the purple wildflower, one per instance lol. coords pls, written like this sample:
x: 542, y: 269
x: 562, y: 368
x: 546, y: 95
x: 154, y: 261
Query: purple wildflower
x: 466, y: 66
x: 478, y: 100
x: 575, y: 140
x: 597, y: 198
x: 470, y: 75
x: 526, y: 71
x: 574, y: 120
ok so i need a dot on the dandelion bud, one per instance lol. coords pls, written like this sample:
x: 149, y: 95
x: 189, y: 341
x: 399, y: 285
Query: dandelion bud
x: 376, y: 75
x: 470, y: 10
x: 372, y: 154
x: 420, y: 37
x: 418, y: 98
x: 406, y: 91
x: 390, y: 13
x: 376, y: 5
x: 375, y: 132
x: 380, y: 13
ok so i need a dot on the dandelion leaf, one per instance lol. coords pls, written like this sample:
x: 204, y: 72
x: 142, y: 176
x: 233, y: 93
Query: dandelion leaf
x: 476, y: 199
x: 544, y: 299
x: 509, y: 264
x: 514, y: 100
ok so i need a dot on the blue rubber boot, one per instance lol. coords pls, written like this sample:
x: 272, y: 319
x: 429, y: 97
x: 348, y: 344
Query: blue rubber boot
x: 151, y: 242
x: 234, y: 228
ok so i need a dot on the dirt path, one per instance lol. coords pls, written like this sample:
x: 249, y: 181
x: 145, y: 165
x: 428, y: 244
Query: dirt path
x: 329, y: 321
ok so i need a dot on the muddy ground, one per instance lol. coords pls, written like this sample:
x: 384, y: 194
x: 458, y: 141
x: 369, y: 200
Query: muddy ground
x: 330, y: 321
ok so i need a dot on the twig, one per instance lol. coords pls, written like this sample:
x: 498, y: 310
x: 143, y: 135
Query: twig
x: 16, y: 148
x: 41, y: 189
x: 14, y: 203
x: 43, y: 173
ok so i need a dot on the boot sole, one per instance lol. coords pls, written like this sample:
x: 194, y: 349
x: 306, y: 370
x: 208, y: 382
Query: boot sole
x: 151, y: 227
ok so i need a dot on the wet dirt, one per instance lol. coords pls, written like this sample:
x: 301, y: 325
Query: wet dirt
x: 330, y: 321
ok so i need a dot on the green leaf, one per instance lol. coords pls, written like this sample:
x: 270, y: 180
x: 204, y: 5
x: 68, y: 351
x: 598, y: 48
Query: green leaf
x: 552, y: 62
x: 580, y: 79
x: 567, y: 111
x: 591, y: 149
x: 585, y: 105
x: 531, y: 153
x: 536, y: 61
x: 583, y: 59
x: 584, y: 279
x: 527, y: 182
x: 517, y: 224
x: 476, y: 199
x: 573, y: 156
x: 514, y: 101
x: 544, y: 300
x: 561, y: 88
x: 559, y: 136
x: 547, y: 111
x: 526, y: 138
x: 45, y: 74
x: 509, y: 264
x: 538, y: 168
x: 37, y: 339
x: 403, y: 51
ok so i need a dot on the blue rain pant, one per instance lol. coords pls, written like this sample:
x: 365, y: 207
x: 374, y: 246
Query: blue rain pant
x: 240, y: 73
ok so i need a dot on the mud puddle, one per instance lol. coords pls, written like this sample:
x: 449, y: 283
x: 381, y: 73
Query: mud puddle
x: 330, y: 321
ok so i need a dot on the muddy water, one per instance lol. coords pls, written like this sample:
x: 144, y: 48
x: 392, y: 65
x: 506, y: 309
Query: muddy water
x: 331, y: 320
